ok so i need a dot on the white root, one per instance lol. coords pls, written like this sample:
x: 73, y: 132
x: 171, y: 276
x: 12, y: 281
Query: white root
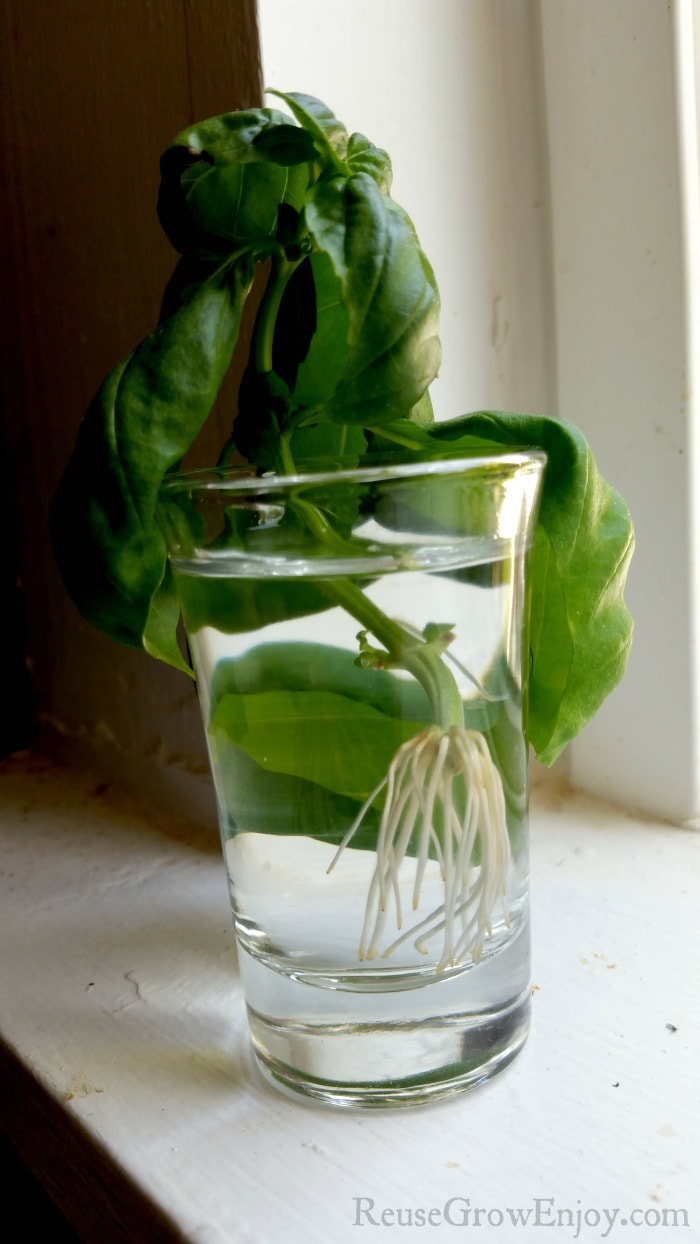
x: 430, y: 779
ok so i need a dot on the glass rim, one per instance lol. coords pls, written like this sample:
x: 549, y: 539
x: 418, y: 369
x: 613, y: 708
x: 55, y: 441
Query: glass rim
x: 245, y: 478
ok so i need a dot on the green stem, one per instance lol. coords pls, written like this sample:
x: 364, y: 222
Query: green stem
x: 266, y: 319
x: 414, y: 655
x: 312, y: 516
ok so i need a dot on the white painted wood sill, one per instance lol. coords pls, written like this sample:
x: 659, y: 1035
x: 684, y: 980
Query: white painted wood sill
x: 128, y: 1085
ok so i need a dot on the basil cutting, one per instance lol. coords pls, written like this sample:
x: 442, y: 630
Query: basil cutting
x: 344, y: 349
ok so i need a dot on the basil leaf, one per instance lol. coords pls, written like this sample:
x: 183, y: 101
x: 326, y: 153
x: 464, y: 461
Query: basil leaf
x: 253, y: 799
x: 286, y: 145
x: 233, y: 606
x: 389, y: 293
x: 316, y: 118
x: 581, y: 629
x: 222, y: 182
x: 300, y: 666
x: 276, y: 678
x: 338, y: 152
x: 160, y: 635
x: 364, y: 157
x: 107, y: 543
x: 342, y: 744
x: 330, y: 446
x: 319, y: 675
x: 320, y: 372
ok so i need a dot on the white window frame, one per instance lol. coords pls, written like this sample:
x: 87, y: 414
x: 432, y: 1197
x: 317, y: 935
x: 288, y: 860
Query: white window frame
x: 622, y: 125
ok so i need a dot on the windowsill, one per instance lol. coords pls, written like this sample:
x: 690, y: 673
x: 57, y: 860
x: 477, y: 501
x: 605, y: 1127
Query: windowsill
x: 129, y: 1087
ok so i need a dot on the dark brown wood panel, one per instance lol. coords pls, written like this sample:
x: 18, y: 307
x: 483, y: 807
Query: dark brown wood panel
x: 91, y: 91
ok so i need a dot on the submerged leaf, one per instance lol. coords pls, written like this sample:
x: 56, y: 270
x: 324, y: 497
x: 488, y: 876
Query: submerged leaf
x: 233, y: 605
x: 280, y: 711
x: 326, y: 738
x: 298, y: 666
x: 254, y: 800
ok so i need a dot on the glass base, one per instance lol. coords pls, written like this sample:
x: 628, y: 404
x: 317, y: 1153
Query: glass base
x: 376, y: 1065
x: 391, y: 1047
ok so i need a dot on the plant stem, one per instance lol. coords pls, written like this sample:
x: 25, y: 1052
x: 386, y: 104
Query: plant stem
x: 417, y: 656
x: 264, y: 333
x: 414, y: 655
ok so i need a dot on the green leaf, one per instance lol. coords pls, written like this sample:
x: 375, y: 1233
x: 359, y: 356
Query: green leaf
x: 342, y: 744
x: 329, y: 446
x: 364, y: 157
x: 160, y: 631
x: 423, y: 440
x: 240, y: 204
x: 255, y: 800
x: 299, y: 805
x: 338, y: 153
x: 330, y: 135
x: 223, y: 180
x: 234, y: 605
x: 321, y: 370
x: 107, y: 543
x: 228, y: 138
x: 389, y: 293
x: 581, y: 629
x: 320, y: 667
x: 274, y: 767
x: 286, y: 145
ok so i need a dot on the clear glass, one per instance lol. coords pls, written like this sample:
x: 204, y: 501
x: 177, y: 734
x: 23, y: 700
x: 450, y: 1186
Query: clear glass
x: 358, y: 639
